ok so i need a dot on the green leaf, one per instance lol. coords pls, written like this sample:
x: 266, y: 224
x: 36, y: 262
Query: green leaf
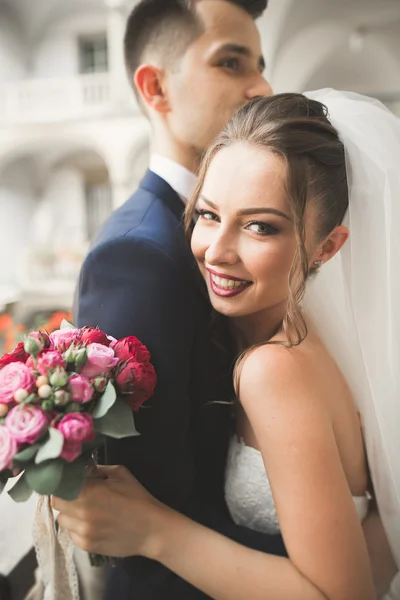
x: 3, y: 481
x: 20, y: 491
x: 118, y: 422
x: 46, y: 477
x: 105, y: 402
x: 52, y: 448
x: 27, y: 454
x: 73, y: 478
x: 95, y: 444
x: 65, y: 324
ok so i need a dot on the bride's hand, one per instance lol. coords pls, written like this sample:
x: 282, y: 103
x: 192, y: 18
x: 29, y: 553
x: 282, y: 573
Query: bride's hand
x: 114, y: 516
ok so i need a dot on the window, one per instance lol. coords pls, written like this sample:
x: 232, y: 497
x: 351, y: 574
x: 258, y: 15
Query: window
x: 98, y: 208
x: 93, y: 54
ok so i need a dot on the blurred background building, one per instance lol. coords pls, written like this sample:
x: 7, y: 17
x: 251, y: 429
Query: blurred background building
x: 73, y: 144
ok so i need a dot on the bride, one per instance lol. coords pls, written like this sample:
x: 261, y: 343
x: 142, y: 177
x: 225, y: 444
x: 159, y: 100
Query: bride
x: 298, y: 204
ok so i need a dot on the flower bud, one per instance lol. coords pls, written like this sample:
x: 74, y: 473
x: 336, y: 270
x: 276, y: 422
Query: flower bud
x: 80, y: 359
x: 70, y: 355
x: 42, y: 337
x: 100, y: 384
x: 44, y: 391
x: 59, y: 378
x: 20, y: 395
x: 41, y: 380
x: 73, y: 407
x: 3, y: 410
x: 47, y: 405
x: 61, y: 398
x: 32, y: 346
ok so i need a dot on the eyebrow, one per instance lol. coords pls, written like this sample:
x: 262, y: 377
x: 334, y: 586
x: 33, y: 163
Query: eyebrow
x: 245, y: 212
x: 243, y: 51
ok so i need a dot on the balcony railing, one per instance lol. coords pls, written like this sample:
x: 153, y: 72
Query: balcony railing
x: 62, y: 99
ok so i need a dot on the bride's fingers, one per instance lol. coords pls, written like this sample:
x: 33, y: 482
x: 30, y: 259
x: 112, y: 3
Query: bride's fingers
x: 75, y: 526
x: 114, y: 472
x: 85, y: 544
x: 87, y: 497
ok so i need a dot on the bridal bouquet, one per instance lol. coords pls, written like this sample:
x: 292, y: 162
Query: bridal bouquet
x: 60, y: 395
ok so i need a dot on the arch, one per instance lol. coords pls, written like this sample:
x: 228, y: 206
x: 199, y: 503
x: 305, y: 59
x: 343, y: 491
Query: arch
x: 55, y: 146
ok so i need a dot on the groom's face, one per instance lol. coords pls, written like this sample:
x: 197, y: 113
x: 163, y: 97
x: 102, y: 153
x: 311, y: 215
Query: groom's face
x: 219, y: 72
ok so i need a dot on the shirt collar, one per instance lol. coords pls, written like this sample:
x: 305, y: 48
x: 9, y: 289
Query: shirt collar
x: 178, y: 177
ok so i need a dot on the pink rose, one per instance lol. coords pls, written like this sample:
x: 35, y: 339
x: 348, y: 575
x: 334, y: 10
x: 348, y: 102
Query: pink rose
x: 80, y: 388
x: 112, y: 341
x: 13, y: 377
x: 49, y: 361
x: 71, y: 450
x: 8, y: 448
x: 61, y: 339
x: 76, y: 428
x: 31, y: 363
x: 100, y: 361
x: 26, y: 423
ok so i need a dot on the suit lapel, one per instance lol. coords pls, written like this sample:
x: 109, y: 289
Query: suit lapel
x: 160, y: 188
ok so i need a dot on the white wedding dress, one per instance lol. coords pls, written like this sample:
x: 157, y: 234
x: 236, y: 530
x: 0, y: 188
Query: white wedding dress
x: 249, y: 497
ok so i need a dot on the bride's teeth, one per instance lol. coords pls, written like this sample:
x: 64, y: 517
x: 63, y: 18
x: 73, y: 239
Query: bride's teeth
x: 227, y: 284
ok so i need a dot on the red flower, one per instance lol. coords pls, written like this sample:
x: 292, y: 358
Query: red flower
x: 92, y: 335
x: 136, y: 381
x: 131, y: 347
x: 17, y: 355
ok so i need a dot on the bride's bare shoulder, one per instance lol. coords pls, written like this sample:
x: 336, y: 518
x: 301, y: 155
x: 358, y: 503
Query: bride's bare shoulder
x: 298, y: 374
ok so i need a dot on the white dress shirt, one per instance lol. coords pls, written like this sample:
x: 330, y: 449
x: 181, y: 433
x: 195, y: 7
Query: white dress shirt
x: 178, y: 177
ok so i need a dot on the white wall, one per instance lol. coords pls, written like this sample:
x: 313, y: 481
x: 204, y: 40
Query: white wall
x: 56, y: 53
x: 17, y: 203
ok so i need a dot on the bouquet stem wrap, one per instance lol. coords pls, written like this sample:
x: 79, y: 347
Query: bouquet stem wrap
x: 97, y: 560
x: 54, y: 552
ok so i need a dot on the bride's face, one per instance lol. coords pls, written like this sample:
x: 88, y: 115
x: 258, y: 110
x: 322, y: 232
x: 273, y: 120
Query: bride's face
x: 244, y: 240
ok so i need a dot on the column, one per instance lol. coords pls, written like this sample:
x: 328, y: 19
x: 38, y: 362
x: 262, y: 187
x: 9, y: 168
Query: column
x: 116, y: 22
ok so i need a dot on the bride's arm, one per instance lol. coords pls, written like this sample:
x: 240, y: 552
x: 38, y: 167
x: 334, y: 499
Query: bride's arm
x: 328, y: 557
x: 327, y: 553
x: 281, y: 393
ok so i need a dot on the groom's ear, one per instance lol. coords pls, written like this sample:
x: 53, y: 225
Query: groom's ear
x: 150, y: 83
x: 332, y: 244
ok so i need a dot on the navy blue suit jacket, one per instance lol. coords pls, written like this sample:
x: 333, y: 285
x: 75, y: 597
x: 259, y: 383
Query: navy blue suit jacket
x: 140, y: 279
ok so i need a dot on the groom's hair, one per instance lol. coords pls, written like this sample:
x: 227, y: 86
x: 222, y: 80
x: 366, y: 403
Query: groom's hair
x: 166, y: 28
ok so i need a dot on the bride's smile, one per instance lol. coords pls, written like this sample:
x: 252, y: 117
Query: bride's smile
x: 244, y: 239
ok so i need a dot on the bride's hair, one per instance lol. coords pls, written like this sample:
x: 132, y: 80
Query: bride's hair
x: 297, y: 130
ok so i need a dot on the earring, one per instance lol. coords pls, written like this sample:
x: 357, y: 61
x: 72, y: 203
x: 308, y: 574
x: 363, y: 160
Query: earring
x: 317, y: 264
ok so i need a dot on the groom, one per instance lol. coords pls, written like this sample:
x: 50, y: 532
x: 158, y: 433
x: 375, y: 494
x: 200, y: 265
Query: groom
x: 192, y: 63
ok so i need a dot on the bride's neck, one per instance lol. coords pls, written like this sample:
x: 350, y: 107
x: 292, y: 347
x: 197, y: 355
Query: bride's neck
x: 257, y: 328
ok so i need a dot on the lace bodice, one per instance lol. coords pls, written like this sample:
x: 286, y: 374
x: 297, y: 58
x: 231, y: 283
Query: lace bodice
x: 248, y: 493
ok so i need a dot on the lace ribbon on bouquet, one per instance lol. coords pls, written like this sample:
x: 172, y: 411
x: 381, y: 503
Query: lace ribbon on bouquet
x: 54, y: 552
